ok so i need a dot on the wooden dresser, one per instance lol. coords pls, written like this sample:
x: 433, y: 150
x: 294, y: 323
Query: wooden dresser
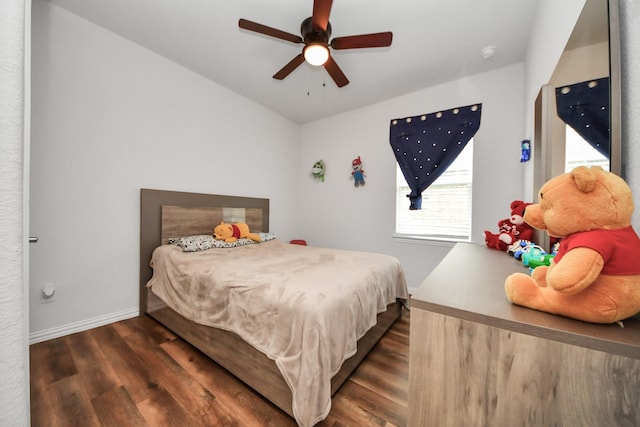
x: 478, y: 360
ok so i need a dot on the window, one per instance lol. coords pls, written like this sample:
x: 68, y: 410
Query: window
x: 446, y: 204
x: 579, y: 152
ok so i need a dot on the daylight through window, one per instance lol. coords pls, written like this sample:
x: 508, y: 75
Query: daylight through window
x: 579, y: 152
x: 446, y: 204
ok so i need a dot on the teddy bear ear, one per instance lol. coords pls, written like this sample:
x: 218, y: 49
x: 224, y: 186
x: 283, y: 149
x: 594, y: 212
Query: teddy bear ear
x: 518, y: 207
x: 585, y: 178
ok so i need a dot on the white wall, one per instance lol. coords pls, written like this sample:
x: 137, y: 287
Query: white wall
x: 630, y: 63
x: 338, y: 214
x: 14, y: 366
x: 581, y: 64
x: 110, y: 117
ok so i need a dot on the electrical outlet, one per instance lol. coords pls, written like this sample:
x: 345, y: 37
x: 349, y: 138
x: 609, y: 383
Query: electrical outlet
x: 47, y: 293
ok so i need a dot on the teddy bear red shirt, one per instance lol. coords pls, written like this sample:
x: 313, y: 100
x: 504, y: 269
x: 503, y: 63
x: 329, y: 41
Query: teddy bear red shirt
x: 619, y: 248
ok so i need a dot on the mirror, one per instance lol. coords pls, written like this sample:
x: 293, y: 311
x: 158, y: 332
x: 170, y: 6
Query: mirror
x: 591, y: 53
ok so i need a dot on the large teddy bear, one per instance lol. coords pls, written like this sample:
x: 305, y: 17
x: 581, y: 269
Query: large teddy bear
x: 595, y: 276
x: 510, y: 229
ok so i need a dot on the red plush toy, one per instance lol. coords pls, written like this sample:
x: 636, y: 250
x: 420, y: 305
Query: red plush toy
x: 510, y: 229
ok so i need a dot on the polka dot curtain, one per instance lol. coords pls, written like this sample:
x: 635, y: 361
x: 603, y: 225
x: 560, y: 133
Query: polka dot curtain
x: 426, y: 145
x: 585, y: 107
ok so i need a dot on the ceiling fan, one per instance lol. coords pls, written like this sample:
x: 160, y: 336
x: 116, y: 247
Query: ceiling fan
x: 316, y: 31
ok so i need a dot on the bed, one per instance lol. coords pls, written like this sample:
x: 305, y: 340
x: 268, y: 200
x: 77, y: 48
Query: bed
x: 298, y: 368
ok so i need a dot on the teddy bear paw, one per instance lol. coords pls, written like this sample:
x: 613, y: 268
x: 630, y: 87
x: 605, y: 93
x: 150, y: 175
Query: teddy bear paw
x: 506, y: 238
x: 519, y: 288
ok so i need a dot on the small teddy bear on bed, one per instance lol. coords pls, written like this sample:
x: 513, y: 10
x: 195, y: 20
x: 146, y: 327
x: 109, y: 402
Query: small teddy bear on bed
x: 232, y: 232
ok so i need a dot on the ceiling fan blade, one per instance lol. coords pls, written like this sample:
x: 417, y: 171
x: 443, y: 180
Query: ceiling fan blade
x: 335, y: 72
x: 362, y: 41
x: 268, y: 31
x: 320, y: 17
x: 287, y: 69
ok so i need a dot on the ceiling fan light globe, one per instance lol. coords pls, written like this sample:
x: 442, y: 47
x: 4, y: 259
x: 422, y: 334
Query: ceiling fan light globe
x: 316, y: 54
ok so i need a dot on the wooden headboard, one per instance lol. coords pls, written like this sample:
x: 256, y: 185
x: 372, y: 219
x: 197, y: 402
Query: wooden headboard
x: 178, y: 221
x: 165, y: 214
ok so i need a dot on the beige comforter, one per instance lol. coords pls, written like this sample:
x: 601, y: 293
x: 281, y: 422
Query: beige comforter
x: 304, y: 307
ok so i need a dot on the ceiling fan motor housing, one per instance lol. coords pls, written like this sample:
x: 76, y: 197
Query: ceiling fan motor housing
x: 311, y: 35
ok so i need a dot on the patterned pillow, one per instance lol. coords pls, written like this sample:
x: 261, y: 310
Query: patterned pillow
x: 202, y: 242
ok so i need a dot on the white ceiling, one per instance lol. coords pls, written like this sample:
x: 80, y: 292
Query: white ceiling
x: 434, y: 41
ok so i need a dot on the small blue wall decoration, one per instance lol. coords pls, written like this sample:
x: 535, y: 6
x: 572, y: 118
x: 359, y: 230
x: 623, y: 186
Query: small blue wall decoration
x: 525, y: 154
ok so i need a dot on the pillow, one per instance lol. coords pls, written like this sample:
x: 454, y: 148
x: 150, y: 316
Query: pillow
x: 266, y: 236
x: 202, y: 242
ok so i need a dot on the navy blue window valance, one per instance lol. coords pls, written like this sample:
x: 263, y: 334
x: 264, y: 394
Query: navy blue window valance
x: 426, y: 145
x: 585, y: 107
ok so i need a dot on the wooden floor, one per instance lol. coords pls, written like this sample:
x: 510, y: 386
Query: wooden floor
x: 137, y: 373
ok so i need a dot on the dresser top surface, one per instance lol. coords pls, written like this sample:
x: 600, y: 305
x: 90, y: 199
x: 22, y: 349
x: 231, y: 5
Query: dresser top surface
x: 469, y: 284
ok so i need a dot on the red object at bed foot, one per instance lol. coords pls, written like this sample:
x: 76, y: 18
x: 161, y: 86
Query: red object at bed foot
x: 299, y: 242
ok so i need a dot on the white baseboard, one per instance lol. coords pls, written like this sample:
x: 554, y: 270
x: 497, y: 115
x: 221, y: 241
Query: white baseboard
x: 83, y: 325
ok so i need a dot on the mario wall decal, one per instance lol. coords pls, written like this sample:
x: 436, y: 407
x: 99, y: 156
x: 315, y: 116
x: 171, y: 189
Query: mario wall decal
x: 357, y: 173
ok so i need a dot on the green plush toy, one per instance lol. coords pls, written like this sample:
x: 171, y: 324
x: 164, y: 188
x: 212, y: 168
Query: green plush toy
x: 317, y: 171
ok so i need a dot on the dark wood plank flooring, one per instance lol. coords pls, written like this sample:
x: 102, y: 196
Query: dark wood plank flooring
x: 138, y: 373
